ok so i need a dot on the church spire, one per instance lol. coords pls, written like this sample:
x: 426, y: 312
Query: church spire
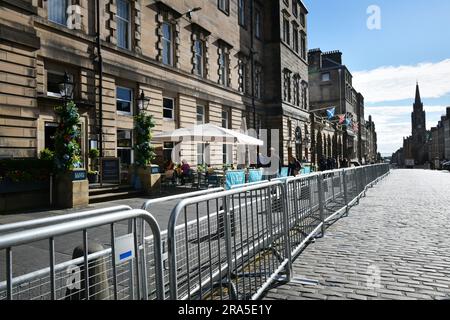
x: 418, y: 100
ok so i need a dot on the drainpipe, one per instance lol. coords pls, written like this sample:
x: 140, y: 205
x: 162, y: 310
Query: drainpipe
x: 252, y: 59
x: 100, y: 80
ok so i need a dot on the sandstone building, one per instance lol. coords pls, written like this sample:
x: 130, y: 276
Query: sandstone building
x: 330, y: 86
x: 227, y: 62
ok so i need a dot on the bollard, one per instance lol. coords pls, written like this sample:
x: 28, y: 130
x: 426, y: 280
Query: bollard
x: 98, y: 276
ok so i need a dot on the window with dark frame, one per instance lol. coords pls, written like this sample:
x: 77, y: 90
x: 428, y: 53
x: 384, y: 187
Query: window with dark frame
x: 199, y: 58
x: 167, y: 43
x: 167, y: 150
x: 125, y: 147
x: 168, y: 109
x: 295, y: 8
x: 54, y: 79
x: 325, y: 77
x: 201, y: 147
x: 57, y: 11
x: 303, y: 44
x: 224, y: 5
x: 241, y: 12
x: 201, y: 116
x: 304, y: 95
x: 224, y: 65
x: 124, y: 100
x: 286, y: 31
x: 258, y: 24
x: 123, y: 24
x: 303, y: 19
x: 295, y: 38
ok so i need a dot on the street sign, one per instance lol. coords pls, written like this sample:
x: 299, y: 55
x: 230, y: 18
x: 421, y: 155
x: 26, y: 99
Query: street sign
x: 124, y: 247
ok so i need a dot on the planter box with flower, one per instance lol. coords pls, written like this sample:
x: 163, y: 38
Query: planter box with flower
x: 72, y: 187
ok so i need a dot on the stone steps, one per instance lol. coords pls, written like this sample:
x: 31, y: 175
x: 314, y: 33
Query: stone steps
x: 110, y: 193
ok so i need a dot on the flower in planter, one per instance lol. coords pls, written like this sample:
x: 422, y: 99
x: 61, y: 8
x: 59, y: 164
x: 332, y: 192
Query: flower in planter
x: 67, y: 148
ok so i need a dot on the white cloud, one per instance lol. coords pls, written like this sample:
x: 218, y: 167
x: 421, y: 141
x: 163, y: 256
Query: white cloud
x: 393, y: 123
x: 393, y: 83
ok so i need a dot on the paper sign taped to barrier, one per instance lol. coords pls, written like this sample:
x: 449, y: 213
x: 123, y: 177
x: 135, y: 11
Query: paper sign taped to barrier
x: 124, y: 247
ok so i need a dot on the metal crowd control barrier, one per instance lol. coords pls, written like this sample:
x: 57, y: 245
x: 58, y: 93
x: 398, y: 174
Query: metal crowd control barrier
x: 35, y: 281
x: 235, y: 250
x: 149, y: 206
x: 75, y: 277
x: 219, y: 244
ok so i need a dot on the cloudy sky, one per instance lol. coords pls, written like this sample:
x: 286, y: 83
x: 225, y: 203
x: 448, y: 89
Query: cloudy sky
x: 387, y: 62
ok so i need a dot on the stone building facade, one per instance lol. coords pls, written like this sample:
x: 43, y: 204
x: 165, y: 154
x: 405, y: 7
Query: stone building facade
x: 439, y: 142
x: 330, y: 86
x: 230, y: 63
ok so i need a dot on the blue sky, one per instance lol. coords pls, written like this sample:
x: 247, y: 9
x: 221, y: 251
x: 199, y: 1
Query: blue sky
x: 412, y: 44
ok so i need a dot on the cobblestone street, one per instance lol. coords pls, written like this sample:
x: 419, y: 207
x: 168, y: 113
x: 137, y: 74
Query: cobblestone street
x: 394, y: 245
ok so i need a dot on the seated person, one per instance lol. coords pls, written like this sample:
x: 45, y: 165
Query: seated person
x: 185, y: 171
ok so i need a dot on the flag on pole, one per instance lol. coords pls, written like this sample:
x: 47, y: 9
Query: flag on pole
x: 341, y: 118
x: 348, y: 122
x: 331, y: 113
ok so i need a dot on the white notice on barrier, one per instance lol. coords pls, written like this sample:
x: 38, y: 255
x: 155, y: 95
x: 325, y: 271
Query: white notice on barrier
x: 124, y: 247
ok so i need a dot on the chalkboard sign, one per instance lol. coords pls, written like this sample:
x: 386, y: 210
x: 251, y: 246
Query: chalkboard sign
x: 110, y: 170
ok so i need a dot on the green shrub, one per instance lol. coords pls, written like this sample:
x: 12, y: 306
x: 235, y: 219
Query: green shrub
x: 94, y: 154
x: 47, y: 155
x: 144, y: 151
x: 25, y: 170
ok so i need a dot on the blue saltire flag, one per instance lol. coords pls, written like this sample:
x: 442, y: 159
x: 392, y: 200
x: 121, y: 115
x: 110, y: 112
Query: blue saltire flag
x: 331, y: 113
x: 348, y: 122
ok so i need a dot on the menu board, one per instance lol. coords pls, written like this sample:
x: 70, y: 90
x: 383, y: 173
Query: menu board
x: 110, y: 170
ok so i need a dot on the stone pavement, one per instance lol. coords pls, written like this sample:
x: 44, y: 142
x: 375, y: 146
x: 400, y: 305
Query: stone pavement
x: 394, y: 245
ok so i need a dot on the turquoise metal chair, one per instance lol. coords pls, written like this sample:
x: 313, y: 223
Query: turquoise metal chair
x: 233, y: 178
x: 283, y: 173
x: 306, y: 170
x: 255, y: 175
